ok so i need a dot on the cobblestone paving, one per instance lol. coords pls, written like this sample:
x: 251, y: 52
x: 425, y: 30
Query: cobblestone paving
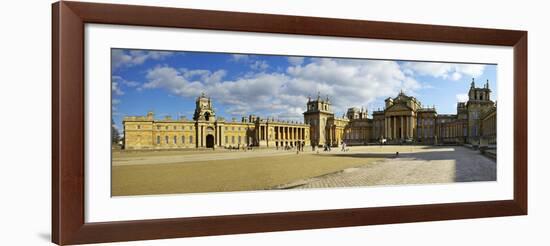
x: 432, y: 165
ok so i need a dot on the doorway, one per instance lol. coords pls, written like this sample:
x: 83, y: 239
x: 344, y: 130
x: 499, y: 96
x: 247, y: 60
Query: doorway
x: 209, y: 141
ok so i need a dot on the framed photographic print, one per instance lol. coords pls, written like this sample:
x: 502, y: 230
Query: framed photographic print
x: 174, y: 122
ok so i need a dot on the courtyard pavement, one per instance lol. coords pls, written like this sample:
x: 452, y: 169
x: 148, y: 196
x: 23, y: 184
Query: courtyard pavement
x: 413, y: 165
x: 193, y: 156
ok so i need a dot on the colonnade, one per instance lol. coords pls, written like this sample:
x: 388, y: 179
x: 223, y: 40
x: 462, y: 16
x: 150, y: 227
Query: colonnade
x: 289, y: 135
x: 399, y: 127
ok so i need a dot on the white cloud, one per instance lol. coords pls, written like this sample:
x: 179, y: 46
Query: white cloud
x: 348, y: 83
x: 238, y: 57
x: 444, y: 70
x: 128, y: 58
x: 114, y: 103
x: 116, y: 88
x: 351, y: 82
x: 259, y: 65
x: 295, y: 60
x: 462, y: 97
x: 121, y: 81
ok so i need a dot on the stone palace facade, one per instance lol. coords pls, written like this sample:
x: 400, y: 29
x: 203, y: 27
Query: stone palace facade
x: 403, y: 120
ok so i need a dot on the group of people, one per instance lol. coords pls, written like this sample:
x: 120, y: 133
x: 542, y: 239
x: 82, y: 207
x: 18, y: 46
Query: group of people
x: 327, y: 147
x: 244, y: 147
x: 298, y: 147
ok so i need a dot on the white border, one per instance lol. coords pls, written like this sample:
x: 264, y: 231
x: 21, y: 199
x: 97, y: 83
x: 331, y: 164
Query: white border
x: 99, y: 206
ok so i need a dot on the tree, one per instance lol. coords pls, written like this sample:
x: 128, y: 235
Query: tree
x: 115, y: 135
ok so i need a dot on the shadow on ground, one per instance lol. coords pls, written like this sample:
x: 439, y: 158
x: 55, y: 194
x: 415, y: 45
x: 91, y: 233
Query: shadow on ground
x: 470, y: 165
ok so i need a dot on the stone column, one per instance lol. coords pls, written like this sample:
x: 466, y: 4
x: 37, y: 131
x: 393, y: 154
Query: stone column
x: 201, y: 136
x: 386, y: 127
x: 221, y: 136
x: 287, y: 132
x: 401, y: 133
x: 394, y: 125
x: 413, y: 123
x: 408, y: 122
x: 407, y: 129
x: 215, y: 136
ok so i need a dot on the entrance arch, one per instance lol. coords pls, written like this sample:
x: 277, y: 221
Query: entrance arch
x: 209, y: 141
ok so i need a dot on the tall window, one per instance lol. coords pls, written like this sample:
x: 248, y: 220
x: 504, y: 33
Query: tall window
x: 175, y: 139
x: 191, y: 139
x: 166, y: 139
x: 226, y: 139
x: 239, y: 139
x: 182, y: 139
x: 232, y: 139
x: 158, y: 139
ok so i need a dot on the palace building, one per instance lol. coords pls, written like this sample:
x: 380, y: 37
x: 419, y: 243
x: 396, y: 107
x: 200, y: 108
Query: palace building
x: 403, y: 120
x: 208, y: 131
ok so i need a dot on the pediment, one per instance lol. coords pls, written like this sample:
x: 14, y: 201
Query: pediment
x: 398, y: 107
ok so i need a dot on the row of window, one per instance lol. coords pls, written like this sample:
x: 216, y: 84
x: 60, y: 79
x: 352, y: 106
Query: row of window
x: 175, y: 139
x: 190, y: 128
x: 173, y: 127
x: 233, y: 139
x: 422, y: 121
x: 232, y: 128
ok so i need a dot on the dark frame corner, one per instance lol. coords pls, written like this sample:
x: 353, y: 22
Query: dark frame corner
x: 68, y: 224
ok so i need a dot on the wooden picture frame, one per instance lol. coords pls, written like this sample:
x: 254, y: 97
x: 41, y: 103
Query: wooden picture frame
x: 68, y: 123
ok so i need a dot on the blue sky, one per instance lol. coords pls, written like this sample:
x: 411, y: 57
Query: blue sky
x: 278, y: 86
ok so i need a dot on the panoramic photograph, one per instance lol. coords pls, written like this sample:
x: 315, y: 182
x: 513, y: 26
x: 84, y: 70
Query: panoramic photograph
x: 203, y: 122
